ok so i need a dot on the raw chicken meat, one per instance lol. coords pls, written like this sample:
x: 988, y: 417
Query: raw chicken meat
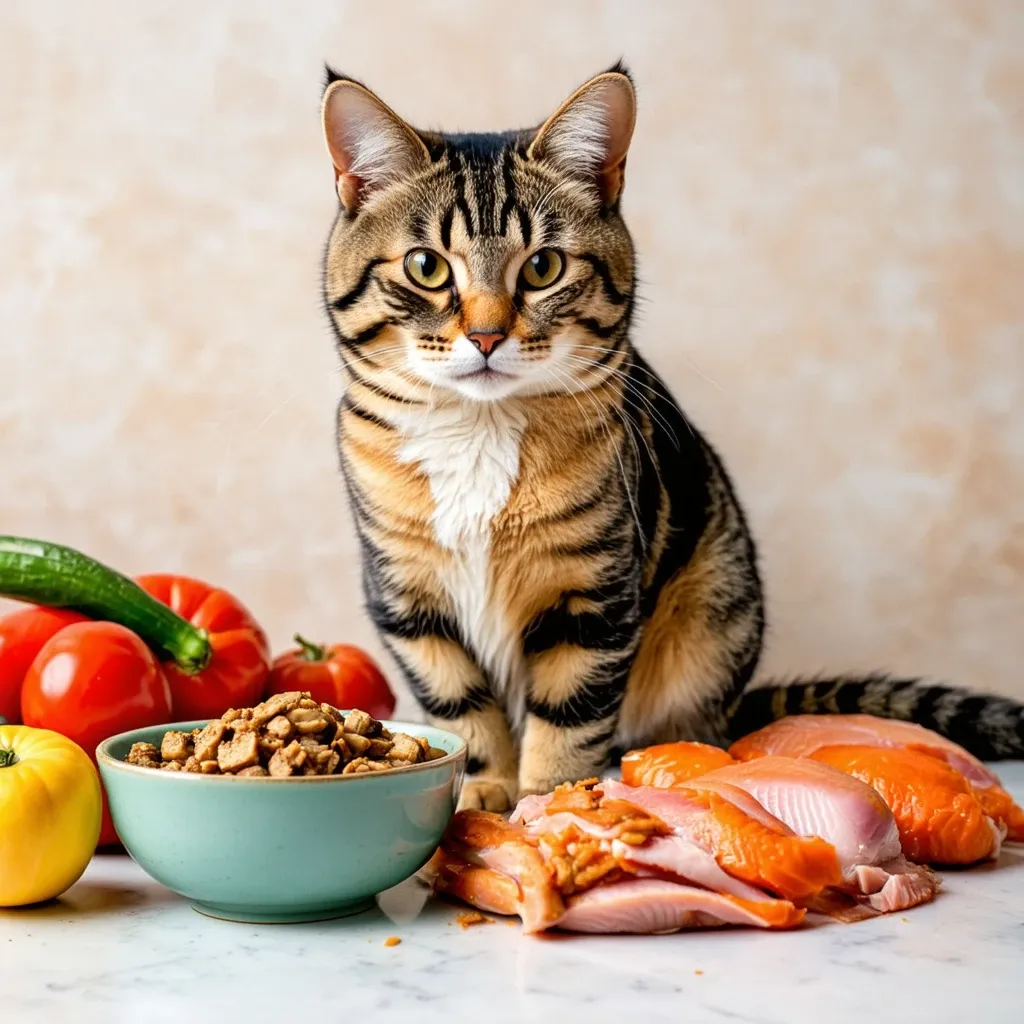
x: 802, y: 735
x: 641, y: 906
x: 483, y: 888
x: 486, y: 840
x: 652, y: 848
x: 760, y: 851
x: 652, y: 906
x: 816, y: 800
x: 581, y: 860
x: 683, y: 860
x: 895, y: 884
x: 813, y: 799
x: 608, y: 857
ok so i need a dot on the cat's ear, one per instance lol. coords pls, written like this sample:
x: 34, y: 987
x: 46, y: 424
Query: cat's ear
x: 370, y: 145
x: 589, y: 134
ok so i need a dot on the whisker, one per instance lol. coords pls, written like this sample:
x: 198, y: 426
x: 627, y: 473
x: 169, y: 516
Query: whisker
x: 273, y: 412
x: 633, y: 388
x: 634, y: 428
x: 635, y: 431
x: 618, y: 458
x: 693, y: 365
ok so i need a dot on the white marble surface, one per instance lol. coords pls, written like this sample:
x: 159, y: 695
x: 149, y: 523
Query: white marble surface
x: 121, y: 948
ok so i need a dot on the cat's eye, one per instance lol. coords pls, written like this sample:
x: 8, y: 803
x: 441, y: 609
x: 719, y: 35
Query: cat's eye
x: 542, y: 269
x: 428, y: 270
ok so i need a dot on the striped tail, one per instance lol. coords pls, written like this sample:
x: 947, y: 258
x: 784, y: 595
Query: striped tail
x: 991, y: 728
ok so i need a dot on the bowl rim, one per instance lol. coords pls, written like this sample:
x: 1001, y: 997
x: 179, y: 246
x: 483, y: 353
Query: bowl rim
x: 104, y: 757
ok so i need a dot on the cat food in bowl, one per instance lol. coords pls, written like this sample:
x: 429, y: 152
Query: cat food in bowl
x: 344, y: 823
x: 288, y: 734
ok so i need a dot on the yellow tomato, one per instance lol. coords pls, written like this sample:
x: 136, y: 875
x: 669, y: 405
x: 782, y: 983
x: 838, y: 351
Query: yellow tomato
x: 50, y: 808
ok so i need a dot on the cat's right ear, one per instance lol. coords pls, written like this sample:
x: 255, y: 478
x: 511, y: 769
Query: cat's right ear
x: 370, y: 145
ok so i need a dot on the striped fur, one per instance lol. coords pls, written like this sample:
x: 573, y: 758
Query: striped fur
x: 552, y: 552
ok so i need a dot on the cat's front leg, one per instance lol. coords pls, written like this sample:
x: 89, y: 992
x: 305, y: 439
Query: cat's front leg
x: 492, y: 785
x: 580, y: 655
x: 453, y: 691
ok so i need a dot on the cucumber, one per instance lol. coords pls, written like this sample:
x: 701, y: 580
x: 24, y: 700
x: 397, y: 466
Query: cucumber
x: 59, y: 577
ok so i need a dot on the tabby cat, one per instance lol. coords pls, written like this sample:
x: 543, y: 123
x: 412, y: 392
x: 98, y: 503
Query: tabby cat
x: 552, y: 553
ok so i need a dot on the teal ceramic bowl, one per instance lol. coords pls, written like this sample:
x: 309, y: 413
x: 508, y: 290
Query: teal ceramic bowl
x: 281, y: 850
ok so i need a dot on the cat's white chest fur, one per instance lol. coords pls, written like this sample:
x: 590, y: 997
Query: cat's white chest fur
x: 469, y: 453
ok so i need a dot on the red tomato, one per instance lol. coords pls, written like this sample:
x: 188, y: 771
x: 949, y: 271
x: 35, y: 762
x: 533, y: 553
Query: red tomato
x: 93, y: 680
x: 22, y: 635
x: 337, y: 674
x: 237, y: 674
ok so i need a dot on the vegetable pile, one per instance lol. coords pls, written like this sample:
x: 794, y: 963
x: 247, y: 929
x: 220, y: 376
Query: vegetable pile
x: 98, y: 653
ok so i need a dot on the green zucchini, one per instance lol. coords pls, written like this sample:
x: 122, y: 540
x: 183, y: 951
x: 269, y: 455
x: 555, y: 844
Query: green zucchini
x: 59, y: 577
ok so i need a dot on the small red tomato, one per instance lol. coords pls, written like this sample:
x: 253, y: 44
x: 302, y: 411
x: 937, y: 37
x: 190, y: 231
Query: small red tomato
x: 237, y: 674
x: 341, y: 675
x: 93, y: 680
x: 22, y: 635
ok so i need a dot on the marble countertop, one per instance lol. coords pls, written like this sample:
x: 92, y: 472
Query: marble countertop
x: 118, y: 947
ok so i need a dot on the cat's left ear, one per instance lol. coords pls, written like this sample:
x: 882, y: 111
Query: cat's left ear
x: 588, y: 136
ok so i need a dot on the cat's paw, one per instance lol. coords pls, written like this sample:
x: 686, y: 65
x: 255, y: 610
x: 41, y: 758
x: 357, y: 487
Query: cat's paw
x: 481, y: 795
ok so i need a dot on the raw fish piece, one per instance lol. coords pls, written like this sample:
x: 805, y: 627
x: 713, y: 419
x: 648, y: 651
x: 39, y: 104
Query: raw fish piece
x: 587, y: 804
x: 529, y: 807
x: 547, y: 870
x: 814, y: 799
x: 897, y: 884
x: 999, y: 806
x: 802, y: 735
x: 483, y: 888
x: 483, y: 839
x: 939, y: 816
x: 666, y: 854
x: 673, y: 765
x: 652, y: 906
x: 770, y: 857
x: 670, y: 764
x: 682, y: 860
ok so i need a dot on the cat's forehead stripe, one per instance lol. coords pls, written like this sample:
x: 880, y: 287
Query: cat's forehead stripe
x: 484, y: 186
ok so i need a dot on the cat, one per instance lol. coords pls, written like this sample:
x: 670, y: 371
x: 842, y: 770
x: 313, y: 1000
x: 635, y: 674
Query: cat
x: 552, y: 553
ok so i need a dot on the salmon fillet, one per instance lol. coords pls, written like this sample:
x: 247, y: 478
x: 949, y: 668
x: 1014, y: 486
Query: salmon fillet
x: 816, y: 799
x: 802, y: 735
x: 760, y: 851
x: 663, y: 852
x: 939, y: 816
x: 671, y: 764
x: 813, y: 799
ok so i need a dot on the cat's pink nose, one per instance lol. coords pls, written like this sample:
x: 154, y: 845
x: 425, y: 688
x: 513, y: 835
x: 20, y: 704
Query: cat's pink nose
x: 486, y: 342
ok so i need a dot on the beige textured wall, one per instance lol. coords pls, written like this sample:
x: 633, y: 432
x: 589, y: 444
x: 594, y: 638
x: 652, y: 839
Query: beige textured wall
x: 828, y: 199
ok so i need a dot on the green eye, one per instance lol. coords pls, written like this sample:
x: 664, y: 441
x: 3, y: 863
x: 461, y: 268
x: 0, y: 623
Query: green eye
x: 428, y: 270
x: 542, y: 269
